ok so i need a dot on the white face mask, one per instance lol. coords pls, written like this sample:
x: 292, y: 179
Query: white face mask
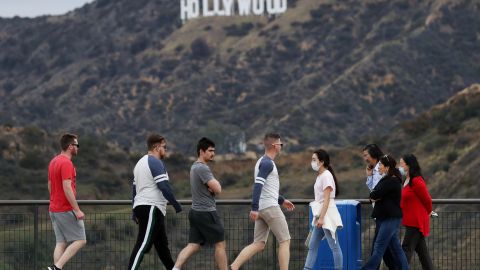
x: 315, y: 166
x: 402, y: 171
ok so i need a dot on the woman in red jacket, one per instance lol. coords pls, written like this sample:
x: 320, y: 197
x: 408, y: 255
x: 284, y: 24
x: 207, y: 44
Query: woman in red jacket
x: 416, y: 206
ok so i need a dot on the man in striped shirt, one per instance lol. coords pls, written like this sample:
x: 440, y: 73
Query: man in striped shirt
x: 266, y: 211
x: 151, y: 192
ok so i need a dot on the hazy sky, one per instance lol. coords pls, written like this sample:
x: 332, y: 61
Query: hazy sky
x: 33, y: 8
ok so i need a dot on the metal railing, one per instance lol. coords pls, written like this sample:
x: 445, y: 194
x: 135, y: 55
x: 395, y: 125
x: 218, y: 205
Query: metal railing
x: 27, y: 239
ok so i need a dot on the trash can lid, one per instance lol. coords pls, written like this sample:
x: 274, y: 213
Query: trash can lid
x: 346, y: 202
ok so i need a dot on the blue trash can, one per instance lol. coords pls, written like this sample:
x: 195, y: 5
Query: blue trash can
x: 349, y: 237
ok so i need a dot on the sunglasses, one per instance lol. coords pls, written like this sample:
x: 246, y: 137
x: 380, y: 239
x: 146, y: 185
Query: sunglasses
x: 75, y: 144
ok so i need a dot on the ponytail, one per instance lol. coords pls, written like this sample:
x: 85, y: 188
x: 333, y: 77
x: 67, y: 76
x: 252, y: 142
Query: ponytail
x: 389, y: 161
x: 322, y: 155
x: 334, y: 179
x: 396, y: 172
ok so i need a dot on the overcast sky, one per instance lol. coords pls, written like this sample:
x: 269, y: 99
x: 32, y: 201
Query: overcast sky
x: 33, y: 8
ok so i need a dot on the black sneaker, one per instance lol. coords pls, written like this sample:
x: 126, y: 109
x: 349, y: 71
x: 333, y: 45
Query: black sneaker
x: 53, y: 267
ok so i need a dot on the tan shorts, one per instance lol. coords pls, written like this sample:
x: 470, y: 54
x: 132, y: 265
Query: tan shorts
x: 271, y: 218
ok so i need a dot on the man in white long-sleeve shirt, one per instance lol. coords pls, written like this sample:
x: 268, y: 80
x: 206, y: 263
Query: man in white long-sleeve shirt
x: 371, y: 155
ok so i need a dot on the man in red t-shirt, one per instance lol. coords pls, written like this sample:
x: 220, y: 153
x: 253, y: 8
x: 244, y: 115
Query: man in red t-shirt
x: 66, y: 216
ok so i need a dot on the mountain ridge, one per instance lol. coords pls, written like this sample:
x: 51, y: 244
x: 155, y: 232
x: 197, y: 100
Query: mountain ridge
x: 119, y: 67
x: 444, y: 138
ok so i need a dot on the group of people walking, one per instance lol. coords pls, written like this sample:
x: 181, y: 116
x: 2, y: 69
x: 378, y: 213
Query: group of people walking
x: 394, y: 202
x: 151, y: 191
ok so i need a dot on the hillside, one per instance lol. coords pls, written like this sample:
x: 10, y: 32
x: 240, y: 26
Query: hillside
x: 326, y: 72
x: 103, y: 168
x: 444, y: 138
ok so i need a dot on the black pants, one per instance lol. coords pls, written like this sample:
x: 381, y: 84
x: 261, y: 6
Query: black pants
x: 151, y: 230
x: 388, y: 257
x: 415, y: 241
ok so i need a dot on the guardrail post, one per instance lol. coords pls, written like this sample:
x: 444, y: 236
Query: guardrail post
x: 275, y: 256
x: 35, y: 236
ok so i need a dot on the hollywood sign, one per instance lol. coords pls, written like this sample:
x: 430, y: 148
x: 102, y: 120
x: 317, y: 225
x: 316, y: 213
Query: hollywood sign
x: 191, y: 9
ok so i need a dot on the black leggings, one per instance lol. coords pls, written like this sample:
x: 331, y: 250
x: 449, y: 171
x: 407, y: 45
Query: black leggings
x: 151, y: 230
x: 415, y: 241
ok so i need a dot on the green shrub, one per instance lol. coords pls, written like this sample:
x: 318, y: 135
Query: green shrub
x: 116, y: 157
x: 440, y: 166
x: 34, y: 160
x: 229, y: 179
x: 32, y: 136
x: 9, y: 86
x: 452, y: 156
x: 96, y: 234
x: 200, y: 48
x: 435, y: 142
x: 5, y: 266
x: 416, y: 127
x: 461, y: 142
x: 238, y: 30
x: 3, y: 144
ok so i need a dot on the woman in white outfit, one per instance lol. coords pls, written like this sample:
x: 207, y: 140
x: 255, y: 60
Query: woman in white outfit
x: 327, y: 218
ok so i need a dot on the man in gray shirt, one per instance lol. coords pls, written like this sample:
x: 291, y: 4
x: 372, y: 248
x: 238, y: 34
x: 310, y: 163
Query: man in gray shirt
x: 206, y: 227
x: 202, y: 198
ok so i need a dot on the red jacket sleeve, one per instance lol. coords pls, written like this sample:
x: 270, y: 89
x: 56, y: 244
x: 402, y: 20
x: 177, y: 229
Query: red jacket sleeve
x: 420, y: 189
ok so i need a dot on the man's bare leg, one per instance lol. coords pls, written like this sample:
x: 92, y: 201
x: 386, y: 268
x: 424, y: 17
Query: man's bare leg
x: 59, y: 250
x: 186, y: 252
x: 69, y: 252
x: 246, y: 253
x: 284, y: 254
x: 221, y: 255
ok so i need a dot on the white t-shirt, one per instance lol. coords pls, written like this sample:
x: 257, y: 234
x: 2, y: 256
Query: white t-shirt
x: 323, y: 181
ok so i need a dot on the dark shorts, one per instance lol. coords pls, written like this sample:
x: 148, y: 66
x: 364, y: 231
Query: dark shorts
x: 205, y: 227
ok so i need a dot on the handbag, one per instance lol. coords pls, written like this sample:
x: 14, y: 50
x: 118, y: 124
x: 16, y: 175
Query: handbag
x: 309, y: 236
x: 310, y: 232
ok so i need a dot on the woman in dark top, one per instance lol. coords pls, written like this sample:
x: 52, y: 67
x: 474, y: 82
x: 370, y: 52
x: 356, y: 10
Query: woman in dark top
x: 388, y: 215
